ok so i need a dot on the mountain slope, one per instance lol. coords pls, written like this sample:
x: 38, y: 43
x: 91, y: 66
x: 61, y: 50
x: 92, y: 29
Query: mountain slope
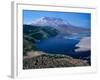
x: 60, y: 25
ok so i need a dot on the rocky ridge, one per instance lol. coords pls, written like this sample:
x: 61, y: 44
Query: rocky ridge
x: 52, y: 61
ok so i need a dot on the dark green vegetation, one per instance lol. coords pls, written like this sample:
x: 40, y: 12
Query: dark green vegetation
x: 52, y: 61
x: 33, y: 34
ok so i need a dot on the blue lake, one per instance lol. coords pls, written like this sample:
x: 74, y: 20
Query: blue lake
x: 59, y: 45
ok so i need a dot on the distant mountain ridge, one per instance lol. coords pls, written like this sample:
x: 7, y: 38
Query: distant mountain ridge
x: 60, y: 25
x: 48, y: 21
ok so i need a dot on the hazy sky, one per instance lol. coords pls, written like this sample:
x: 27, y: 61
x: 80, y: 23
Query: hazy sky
x: 77, y: 19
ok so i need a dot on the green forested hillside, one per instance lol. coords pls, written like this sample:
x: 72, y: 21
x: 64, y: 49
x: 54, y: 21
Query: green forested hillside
x: 33, y: 34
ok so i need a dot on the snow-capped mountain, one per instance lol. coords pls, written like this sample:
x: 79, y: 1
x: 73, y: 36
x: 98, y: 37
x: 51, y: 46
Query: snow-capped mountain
x: 59, y: 24
x: 48, y: 21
